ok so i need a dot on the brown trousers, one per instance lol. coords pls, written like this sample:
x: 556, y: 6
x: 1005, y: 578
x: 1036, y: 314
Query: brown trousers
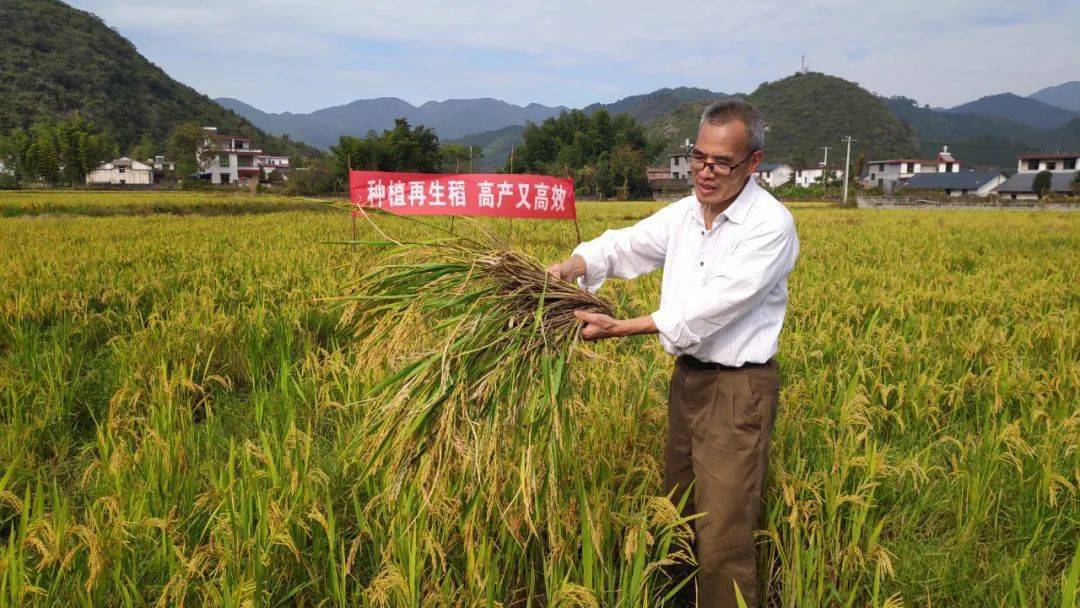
x: 720, y: 425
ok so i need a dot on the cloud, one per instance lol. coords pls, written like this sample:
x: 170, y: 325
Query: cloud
x: 286, y: 55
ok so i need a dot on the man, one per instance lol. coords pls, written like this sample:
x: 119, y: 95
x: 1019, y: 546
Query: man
x: 726, y: 252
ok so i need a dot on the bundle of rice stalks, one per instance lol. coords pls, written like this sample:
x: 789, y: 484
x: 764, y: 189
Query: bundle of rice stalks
x: 493, y: 333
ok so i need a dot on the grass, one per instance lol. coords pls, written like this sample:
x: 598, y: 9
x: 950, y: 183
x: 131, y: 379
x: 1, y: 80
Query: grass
x: 183, y: 420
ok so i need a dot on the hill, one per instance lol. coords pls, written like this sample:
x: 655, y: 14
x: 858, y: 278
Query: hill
x: 982, y: 140
x: 59, y: 62
x: 1065, y: 95
x: 453, y: 118
x: 495, y: 146
x: 805, y: 112
x: 1022, y: 110
x: 651, y: 106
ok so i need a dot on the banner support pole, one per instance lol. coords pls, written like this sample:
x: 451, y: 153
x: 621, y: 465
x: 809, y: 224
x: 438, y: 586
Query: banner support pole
x: 577, y: 229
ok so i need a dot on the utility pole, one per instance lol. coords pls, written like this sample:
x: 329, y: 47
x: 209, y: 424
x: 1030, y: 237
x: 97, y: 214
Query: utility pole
x: 847, y: 165
x: 825, y: 171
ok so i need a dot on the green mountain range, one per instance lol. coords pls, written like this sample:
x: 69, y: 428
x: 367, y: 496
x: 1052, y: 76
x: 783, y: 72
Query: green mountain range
x: 805, y: 112
x: 56, y: 62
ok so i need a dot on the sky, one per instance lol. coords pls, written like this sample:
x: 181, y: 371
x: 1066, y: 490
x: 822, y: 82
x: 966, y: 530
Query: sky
x: 295, y: 56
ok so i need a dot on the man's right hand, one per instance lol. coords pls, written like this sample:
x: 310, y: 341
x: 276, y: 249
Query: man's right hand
x: 569, y: 269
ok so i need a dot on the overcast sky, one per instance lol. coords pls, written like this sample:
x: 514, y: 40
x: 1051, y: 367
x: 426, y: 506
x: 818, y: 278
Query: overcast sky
x: 300, y: 56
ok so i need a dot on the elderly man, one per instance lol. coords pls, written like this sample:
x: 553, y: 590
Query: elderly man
x: 726, y: 252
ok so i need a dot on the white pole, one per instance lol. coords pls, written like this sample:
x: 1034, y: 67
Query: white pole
x: 847, y: 166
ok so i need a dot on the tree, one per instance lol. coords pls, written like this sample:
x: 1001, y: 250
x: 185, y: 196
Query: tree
x: 860, y: 166
x: 146, y: 149
x: 402, y: 148
x: 1042, y: 183
x: 605, y: 154
x: 459, y: 157
x: 191, y: 148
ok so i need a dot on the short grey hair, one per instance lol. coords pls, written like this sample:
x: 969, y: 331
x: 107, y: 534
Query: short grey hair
x: 733, y: 108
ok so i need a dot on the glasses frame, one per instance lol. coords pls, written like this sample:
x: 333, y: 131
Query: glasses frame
x: 716, y: 168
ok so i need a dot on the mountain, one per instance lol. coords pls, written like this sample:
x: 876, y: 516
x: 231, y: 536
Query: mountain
x: 495, y: 146
x: 980, y: 140
x: 1065, y: 95
x: 453, y: 118
x: 805, y: 112
x: 650, y: 106
x: 1023, y: 110
x: 58, y: 61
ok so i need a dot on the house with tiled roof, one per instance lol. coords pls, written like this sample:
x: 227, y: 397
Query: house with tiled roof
x: 966, y: 183
x: 890, y: 174
x: 1061, y: 165
x: 774, y: 175
x: 121, y: 172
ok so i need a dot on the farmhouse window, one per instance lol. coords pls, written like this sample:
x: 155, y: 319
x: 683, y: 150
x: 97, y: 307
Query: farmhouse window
x: 1033, y: 165
x: 121, y: 169
x: 1069, y: 163
x: 1051, y: 165
x: 881, y: 168
x: 223, y: 160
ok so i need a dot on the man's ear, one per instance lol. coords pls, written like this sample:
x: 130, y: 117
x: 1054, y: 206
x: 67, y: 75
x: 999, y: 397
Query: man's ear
x: 755, y: 160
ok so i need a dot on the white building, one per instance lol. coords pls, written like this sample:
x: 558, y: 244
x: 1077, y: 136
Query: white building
x: 122, y: 171
x: 1062, y: 168
x: 269, y: 164
x: 160, y: 164
x: 774, y: 175
x: 804, y: 178
x: 1047, y: 161
x: 967, y: 183
x: 231, y: 159
x: 889, y: 174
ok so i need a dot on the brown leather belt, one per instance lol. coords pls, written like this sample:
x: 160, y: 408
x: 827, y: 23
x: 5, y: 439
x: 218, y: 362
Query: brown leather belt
x: 695, y: 363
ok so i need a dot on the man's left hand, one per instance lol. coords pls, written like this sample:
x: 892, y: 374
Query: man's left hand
x: 598, y: 326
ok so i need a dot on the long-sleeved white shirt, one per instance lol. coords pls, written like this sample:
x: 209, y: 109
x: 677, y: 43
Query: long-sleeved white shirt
x: 724, y: 291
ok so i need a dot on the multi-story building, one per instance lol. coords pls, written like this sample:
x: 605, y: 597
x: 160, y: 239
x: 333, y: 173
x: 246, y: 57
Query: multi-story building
x: 231, y: 159
x: 1060, y: 165
x: 890, y: 174
x: 1047, y: 161
x: 269, y: 164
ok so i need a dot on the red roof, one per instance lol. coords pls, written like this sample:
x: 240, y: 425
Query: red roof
x: 1034, y: 155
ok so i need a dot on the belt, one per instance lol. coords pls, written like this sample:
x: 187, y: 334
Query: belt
x: 695, y: 363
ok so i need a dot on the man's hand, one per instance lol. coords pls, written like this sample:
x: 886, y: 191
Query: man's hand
x: 568, y: 270
x: 598, y: 326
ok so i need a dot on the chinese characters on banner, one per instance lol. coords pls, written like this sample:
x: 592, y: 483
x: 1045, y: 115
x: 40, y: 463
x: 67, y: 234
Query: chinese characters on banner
x: 498, y: 195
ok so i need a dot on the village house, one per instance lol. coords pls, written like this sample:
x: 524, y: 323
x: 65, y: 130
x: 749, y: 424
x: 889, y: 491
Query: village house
x: 270, y: 164
x: 774, y: 175
x: 891, y: 174
x: 804, y: 178
x: 122, y: 171
x: 1021, y: 186
x: 653, y: 173
x: 967, y: 183
x: 231, y: 159
x: 1064, y: 162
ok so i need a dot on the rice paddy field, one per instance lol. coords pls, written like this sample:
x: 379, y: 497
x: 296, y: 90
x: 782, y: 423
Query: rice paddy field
x: 186, y: 419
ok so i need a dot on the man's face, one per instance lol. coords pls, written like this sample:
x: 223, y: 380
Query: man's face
x: 726, y: 143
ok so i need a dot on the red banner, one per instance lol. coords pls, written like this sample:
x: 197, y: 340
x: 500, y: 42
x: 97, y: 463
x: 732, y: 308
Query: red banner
x: 490, y: 194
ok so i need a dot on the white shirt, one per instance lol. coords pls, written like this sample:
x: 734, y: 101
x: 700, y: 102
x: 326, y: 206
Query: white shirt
x: 724, y: 292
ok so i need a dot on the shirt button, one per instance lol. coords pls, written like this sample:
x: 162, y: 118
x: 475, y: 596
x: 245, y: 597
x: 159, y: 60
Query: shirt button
x: 702, y: 233
x: 703, y: 263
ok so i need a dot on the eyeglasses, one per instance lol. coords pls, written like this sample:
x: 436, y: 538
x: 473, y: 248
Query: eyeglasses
x: 697, y: 163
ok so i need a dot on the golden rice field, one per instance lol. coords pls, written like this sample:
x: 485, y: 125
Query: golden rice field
x: 182, y: 420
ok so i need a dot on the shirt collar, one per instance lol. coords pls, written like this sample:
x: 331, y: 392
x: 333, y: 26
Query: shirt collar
x: 739, y: 208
